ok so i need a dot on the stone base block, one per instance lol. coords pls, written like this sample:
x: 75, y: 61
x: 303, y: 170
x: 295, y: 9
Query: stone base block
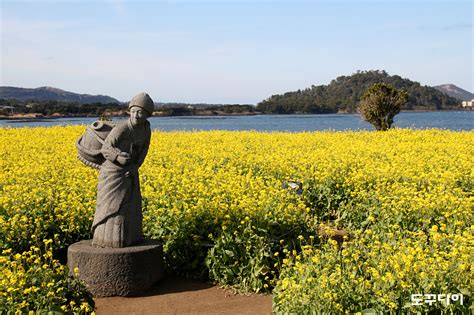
x: 124, y: 271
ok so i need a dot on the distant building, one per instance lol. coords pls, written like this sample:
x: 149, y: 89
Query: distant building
x: 468, y: 103
x: 8, y: 107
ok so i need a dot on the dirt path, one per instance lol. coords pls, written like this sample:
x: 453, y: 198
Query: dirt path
x: 174, y: 295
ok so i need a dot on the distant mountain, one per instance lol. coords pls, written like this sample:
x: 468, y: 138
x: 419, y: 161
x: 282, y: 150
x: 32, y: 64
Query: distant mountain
x: 47, y: 93
x: 455, y: 91
x: 344, y: 93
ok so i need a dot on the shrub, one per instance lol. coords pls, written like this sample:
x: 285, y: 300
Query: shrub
x: 35, y: 281
x: 380, y: 104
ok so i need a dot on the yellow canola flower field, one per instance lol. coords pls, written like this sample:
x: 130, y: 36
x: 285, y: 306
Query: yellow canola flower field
x: 404, y: 195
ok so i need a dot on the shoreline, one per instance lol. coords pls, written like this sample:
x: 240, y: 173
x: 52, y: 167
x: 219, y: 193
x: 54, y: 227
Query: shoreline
x: 40, y: 117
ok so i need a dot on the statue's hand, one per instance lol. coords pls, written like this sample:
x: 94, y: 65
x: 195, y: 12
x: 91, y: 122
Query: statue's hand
x: 123, y: 158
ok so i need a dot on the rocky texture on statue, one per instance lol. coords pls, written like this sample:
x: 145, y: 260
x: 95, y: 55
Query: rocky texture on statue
x: 126, y: 271
x: 118, y: 261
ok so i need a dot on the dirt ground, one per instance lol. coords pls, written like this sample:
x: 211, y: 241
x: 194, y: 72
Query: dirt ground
x: 175, y: 295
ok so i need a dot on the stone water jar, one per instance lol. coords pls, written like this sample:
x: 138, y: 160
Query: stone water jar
x: 90, y: 143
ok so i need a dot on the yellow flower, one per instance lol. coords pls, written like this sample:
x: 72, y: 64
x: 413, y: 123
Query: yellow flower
x: 412, y: 186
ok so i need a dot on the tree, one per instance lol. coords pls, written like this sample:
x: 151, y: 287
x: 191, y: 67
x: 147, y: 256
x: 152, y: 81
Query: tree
x: 344, y: 93
x: 380, y: 103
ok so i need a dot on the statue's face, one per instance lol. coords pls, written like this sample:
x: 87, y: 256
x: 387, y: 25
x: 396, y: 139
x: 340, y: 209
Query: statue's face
x: 138, y: 115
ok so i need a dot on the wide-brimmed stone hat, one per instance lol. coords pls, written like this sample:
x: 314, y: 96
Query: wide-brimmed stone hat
x: 142, y: 100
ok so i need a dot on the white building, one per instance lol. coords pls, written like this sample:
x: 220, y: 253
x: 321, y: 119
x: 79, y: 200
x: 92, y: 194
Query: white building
x: 468, y: 103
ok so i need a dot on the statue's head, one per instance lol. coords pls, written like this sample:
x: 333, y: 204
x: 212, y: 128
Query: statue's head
x: 141, y: 107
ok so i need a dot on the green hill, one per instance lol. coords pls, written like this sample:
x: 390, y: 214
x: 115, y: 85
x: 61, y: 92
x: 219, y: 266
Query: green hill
x: 343, y: 95
x: 47, y: 93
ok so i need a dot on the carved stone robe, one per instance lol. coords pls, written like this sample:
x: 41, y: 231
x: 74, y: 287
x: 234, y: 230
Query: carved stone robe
x: 118, y: 216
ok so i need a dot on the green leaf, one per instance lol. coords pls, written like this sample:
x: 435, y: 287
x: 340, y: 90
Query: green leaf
x: 465, y: 292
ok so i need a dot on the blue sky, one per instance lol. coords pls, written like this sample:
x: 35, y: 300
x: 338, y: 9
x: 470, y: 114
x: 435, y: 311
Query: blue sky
x: 230, y: 51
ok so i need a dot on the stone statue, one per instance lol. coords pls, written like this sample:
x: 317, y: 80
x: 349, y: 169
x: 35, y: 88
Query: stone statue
x: 118, y: 215
x: 118, y: 261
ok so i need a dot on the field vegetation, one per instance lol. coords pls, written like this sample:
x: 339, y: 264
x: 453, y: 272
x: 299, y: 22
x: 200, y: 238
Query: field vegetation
x: 329, y: 222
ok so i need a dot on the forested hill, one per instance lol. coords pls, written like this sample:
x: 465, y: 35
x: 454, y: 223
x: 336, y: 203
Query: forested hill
x: 343, y: 95
x: 47, y: 93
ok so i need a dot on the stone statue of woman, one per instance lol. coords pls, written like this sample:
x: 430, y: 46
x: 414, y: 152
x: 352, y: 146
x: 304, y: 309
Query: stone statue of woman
x: 118, y: 216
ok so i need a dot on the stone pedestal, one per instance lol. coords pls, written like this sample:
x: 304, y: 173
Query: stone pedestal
x: 124, y: 271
